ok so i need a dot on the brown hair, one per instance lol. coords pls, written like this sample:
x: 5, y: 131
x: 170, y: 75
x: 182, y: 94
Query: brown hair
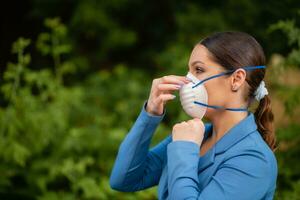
x: 233, y: 50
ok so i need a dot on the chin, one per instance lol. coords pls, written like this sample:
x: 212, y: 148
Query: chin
x: 211, y: 113
x: 208, y: 114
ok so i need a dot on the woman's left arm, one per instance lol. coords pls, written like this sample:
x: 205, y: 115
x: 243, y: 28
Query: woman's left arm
x: 245, y: 176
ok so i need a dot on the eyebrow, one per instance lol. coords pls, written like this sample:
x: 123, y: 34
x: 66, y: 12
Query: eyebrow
x: 199, y: 61
x: 195, y: 62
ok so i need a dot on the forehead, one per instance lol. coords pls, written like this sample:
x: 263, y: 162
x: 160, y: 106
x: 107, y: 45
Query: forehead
x: 199, y: 53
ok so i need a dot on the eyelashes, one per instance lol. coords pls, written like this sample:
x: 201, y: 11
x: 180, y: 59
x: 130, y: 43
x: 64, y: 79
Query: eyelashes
x: 199, y: 70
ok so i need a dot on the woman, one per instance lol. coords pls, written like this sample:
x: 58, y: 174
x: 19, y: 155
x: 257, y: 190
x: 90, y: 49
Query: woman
x: 231, y: 157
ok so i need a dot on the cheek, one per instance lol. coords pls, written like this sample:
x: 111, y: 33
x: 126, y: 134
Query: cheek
x: 217, y: 92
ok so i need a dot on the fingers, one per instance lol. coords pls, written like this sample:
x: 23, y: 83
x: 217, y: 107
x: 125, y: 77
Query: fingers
x: 161, y: 87
x: 179, y: 80
x: 164, y: 97
x: 167, y: 87
x: 169, y: 83
x: 195, y: 121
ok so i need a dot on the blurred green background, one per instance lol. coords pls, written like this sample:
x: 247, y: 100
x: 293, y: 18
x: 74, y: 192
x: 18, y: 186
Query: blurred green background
x: 75, y: 73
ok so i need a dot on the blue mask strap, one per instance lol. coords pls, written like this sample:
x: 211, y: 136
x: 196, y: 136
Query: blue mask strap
x: 220, y: 107
x: 211, y: 77
x: 247, y: 68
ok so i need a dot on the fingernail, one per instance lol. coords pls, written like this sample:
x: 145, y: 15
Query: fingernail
x: 178, y: 86
x: 174, y: 96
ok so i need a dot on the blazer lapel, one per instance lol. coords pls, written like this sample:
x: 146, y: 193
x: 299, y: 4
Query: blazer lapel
x: 208, y: 158
x: 234, y: 135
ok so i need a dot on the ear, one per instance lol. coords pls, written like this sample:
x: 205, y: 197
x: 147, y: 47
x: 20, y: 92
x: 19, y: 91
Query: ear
x: 237, y: 79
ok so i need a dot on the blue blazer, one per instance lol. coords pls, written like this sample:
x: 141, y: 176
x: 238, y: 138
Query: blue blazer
x: 240, y: 166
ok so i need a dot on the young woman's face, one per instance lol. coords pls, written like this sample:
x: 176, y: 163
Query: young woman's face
x: 201, y: 66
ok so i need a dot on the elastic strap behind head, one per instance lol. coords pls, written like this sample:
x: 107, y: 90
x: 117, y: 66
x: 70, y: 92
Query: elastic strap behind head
x: 247, y: 68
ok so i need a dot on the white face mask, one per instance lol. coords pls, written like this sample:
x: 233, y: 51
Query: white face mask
x: 188, y: 95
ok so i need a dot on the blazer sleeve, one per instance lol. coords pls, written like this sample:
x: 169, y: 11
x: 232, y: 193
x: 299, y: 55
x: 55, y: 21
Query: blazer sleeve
x: 245, y: 176
x: 136, y: 167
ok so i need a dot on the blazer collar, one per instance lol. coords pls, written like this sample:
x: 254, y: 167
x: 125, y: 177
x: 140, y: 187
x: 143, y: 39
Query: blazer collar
x: 234, y: 135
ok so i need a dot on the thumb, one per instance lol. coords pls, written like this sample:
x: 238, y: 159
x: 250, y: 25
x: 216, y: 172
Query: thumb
x: 197, y: 120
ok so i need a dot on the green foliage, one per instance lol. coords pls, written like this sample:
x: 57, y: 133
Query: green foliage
x: 50, y: 43
x: 288, y: 136
x: 62, y: 123
x: 60, y: 141
x: 289, y: 94
x: 293, y: 34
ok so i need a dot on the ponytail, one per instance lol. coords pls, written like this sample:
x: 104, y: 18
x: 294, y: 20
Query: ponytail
x: 264, y: 119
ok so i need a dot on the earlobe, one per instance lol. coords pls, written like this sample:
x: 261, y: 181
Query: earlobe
x: 238, y: 78
x: 234, y: 89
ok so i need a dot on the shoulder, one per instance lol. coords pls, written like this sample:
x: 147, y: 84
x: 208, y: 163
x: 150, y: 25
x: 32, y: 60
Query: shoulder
x: 253, y: 146
x: 254, y: 157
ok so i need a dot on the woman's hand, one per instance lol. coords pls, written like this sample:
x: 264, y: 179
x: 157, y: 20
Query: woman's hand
x: 192, y: 130
x: 161, y: 92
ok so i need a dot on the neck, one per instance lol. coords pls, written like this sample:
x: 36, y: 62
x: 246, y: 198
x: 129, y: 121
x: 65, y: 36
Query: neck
x: 224, y: 121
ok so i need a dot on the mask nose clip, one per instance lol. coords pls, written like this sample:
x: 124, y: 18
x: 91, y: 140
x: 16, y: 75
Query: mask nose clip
x: 192, y: 78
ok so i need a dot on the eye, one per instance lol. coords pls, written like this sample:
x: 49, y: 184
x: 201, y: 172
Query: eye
x: 199, y: 70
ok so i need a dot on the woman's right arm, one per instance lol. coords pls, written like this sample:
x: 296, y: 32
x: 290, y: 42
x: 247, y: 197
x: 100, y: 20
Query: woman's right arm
x: 136, y: 167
